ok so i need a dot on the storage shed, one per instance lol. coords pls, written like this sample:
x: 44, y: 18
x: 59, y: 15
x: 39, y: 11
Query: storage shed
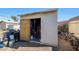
x: 39, y: 27
x: 74, y: 26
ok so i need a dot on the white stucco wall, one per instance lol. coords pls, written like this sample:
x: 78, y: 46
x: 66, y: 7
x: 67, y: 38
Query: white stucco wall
x: 48, y: 27
x: 14, y: 26
x: 7, y: 25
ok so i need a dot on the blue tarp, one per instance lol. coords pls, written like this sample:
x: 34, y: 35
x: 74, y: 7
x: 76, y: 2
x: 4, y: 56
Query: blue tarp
x: 1, y: 45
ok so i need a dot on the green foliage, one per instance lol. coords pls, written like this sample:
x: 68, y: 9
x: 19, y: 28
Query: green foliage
x: 66, y: 26
x: 1, y: 21
x: 14, y: 18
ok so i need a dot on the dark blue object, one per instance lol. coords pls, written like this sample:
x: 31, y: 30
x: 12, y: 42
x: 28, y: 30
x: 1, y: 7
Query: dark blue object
x: 1, y: 45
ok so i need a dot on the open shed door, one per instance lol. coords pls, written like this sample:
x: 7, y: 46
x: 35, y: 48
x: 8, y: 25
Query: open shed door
x: 25, y: 29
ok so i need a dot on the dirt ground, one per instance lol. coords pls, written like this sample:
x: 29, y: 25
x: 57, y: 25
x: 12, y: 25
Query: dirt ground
x: 26, y: 46
x: 1, y: 32
x: 65, y: 45
x: 23, y: 46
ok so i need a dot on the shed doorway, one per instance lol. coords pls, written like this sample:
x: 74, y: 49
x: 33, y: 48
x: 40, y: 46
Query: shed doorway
x: 35, y: 29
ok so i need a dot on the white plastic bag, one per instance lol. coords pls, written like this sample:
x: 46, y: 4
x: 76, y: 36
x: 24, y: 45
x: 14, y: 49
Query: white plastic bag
x: 11, y: 37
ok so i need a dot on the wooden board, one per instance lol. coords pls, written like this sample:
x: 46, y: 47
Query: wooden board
x: 25, y: 29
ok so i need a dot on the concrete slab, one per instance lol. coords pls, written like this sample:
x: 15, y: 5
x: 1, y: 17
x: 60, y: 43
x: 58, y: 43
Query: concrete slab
x: 27, y: 49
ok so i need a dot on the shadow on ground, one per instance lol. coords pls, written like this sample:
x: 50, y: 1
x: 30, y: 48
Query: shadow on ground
x: 31, y: 44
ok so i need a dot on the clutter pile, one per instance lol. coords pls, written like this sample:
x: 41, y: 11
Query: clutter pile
x: 9, y: 37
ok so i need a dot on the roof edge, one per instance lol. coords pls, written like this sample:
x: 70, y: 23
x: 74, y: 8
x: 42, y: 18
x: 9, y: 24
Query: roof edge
x: 73, y: 18
x: 53, y: 10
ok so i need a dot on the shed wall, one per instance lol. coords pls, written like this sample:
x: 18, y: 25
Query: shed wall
x: 48, y: 27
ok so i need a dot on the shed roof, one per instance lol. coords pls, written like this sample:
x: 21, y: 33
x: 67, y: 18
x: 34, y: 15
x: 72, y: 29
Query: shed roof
x: 53, y: 10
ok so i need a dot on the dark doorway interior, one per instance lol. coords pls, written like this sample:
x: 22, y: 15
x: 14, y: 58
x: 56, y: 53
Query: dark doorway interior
x: 35, y: 29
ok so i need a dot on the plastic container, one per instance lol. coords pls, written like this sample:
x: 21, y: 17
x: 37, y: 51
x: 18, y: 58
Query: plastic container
x: 11, y: 44
x: 1, y: 45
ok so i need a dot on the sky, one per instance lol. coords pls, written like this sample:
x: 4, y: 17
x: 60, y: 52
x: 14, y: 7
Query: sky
x: 63, y: 13
x: 6, y: 13
x: 67, y: 13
